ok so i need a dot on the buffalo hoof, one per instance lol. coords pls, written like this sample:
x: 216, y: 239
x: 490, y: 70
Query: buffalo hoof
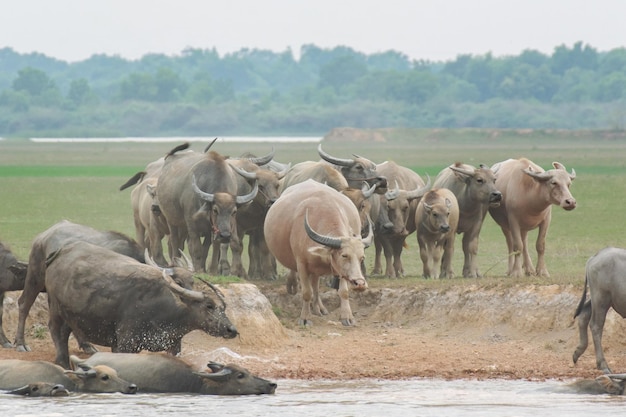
x: 305, y: 323
x: 7, y: 345
x: 348, y: 322
x: 22, y: 348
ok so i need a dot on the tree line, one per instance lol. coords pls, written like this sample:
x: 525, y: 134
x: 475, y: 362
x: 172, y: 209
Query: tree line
x: 252, y: 91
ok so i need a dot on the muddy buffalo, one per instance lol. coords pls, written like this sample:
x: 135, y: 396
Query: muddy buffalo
x: 51, y: 240
x: 111, y: 300
x: 166, y: 373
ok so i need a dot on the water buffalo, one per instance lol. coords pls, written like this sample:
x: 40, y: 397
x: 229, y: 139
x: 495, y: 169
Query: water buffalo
x: 12, y: 277
x: 51, y: 240
x: 356, y: 170
x: 198, y: 197
x: 314, y: 230
x: 475, y: 191
x: 250, y: 217
x: 112, y: 300
x: 165, y: 373
x: 41, y: 389
x: 396, y: 216
x: 613, y: 384
x: 607, y: 288
x: 528, y: 193
x: 437, y: 217
x: 16, y: 374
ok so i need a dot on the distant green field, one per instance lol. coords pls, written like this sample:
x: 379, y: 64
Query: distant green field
x: 44, y: 183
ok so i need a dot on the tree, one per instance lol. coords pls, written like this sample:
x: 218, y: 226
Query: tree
x: 80, y: 93
x: 342, y: 71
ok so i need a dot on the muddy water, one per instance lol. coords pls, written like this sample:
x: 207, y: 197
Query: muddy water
x: 420, y: 397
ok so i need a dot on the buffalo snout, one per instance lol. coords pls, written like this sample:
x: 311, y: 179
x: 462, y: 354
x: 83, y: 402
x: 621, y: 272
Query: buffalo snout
x: 131, y: 389
x: 444, y: 228
x: 569, y: 204
x: 495, y: 198
x: 359, y: 284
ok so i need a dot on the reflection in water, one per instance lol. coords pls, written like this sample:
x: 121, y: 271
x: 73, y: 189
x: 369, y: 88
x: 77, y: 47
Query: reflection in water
x: 423, y: 397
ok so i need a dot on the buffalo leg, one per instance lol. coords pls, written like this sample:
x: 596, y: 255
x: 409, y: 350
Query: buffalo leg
x: 378, y: 269
x: 598, y: 316
x: 60, y: 334
x: 540, y: 246
x: 583, y: 323
x: 25, y: 302
x: 306, y: 285
x: 347, y: 319
x: 3, y: 338
x: 470, y: 253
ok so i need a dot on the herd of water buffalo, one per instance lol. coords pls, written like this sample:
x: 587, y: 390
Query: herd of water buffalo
x: 315, y: 218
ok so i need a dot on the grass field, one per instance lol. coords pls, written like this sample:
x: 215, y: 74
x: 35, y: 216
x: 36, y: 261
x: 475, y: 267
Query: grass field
x: 42, y: 183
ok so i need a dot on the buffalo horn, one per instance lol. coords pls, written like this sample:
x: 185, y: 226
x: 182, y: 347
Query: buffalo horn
x: 367, y: 240
x: 333, y: 160
x: 216, y: 291
x: 332, y: 242
x: 205, y: 196
x: 393, y: 194
x: 247, y: 175
x: 559, y: 165
x: 183, y: 292
x: 539, y: 176
x: 243, y: 199
x: 209, y: 145
x: 262, y: 160
x: 419, y: 191
x: 367, y: 190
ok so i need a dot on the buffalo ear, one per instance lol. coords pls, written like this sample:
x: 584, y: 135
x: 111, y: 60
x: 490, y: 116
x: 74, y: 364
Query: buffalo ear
x: 19, y: 270
x: 320, y: 251
x: 610, y: 386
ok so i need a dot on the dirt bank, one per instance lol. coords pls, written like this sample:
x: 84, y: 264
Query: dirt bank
x: 461, y: 331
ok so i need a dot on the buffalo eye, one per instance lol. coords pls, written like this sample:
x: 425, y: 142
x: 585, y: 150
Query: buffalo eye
x: 105, y: 377
x: 480, y: 180
x: 241, y: 375
x: 35, y: 389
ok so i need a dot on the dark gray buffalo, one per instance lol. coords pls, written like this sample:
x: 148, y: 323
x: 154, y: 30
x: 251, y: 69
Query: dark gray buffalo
x: 475, y: 191
x: 198, y: 197
x: 18, y: 374
x: 356, y: 170
x: 395, y: 219
x: 51, y: 240
x: 165, y: 373
x: 41, y: 389
x: 112, y: 300
x: 12, y: 277
x: 607, y: 288
x: 612, y: 384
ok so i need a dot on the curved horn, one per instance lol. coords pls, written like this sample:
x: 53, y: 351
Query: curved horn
x: 559, y: 165
x: 616, y: 376
x: 209, y: 145
x: 149, y: 260
x: 367, y: 190
x: 419, y: 191
x: 183, y: 292
x: 216, y: 290
x: 188, y: 265
x: 247, y: 175
x: 205, y: 196
x: 243, y: 199
x: 367, y: 240
x: 332, y: 159
x: 263, y: 160
x: 331, y: 242
x: 393, y: 194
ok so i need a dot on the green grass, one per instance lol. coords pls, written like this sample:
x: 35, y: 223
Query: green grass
x: 41, y: 184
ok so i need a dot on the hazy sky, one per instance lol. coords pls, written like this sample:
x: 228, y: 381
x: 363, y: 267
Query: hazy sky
x: 437, y: 30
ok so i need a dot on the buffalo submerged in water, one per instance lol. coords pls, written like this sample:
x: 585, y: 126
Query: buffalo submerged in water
x: 157, y: 372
